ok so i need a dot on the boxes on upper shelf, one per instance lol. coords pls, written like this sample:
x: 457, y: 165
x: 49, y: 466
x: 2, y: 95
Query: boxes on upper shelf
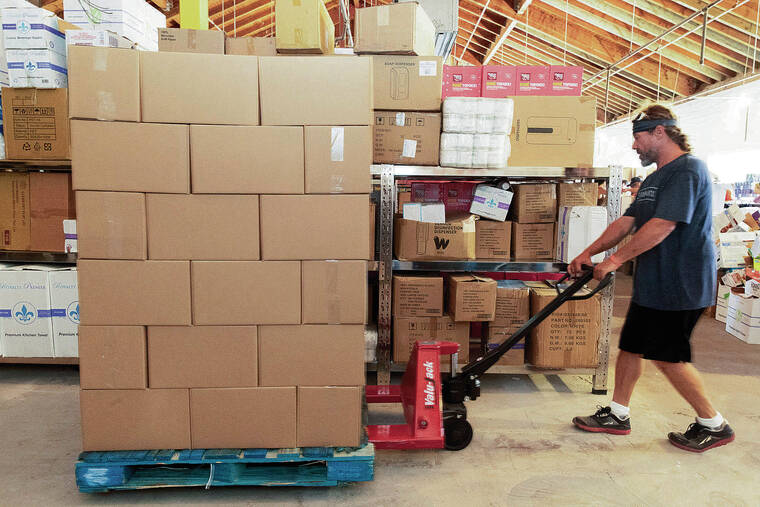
x: 535, y: 203
x: 463, y: 81
x: 407, y: 83
x: 492, y: 239
x: 578, y: 227
x: 51, y: 202
x: 136, y: 20
x: 417, y: 296
x: 15, y: 215
x: 471, y: 298
x: 400, y: 28
x: 499, y: 81
x: 112, y: 357
x: 491, y: 202
x: 182, y: 40
x: 418, y: 241
x: 566, y: 80
x: 533, y: 80
x: 532, y: 241
x: 406, y: 138
x: 36, y: 124
x: 32, y: 28
x: 303, y: 27
x: 578, y: 194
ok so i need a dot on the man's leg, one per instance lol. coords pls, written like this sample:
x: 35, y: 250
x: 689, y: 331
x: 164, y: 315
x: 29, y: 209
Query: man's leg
x: 627, y: 371
x: 688, y: 383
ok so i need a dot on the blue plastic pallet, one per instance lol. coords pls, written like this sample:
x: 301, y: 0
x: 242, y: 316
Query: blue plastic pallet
x: 98, y: 472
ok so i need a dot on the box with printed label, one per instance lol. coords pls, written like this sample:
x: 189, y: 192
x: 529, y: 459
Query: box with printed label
x: 250, y: 46
x: 532, y: 241
x: 733, y: 248
x: 329, y: 416
x: 64, y: 312
x: 96, y: 38
x: 401, y: 28
x: 464, y: 81
x: 184, y: 88
x: 579, y: 194
x: 492, y: 239
x: 15, y: 213
x: 491, y: 202
x: 111, y: 225
x: 512, y: 304
x: 533, y: 80
x: 407, y: 331
x: 182, y: 40
x: 32, y: 28
x: 721, y: 304
x: 429, y: 212
x: 418, y: 241
x: 578, y: 227
x: 333, y: 292
x: 136, y: 20
x: 471, y: 298
x: 25, y: 327
x: 743, y: 318
x: 36, y: 124
x: 52, y: 202
x: 303, y: 26
x: 406, y: 138
x: 566, y: 80
x: 149, y: 293
x: 535, y: 203
x: 407, y: 83
x: 112, y: 357
x: 499, y: 81
x: 311, y: 355
x: 36, y: 68
x: 293, y: 90
x: 105, y: 157
x: 105, y: 83
x: 417, y: 296
x: 336, y: 160
x: 246, y: 293
x: 568, y: 337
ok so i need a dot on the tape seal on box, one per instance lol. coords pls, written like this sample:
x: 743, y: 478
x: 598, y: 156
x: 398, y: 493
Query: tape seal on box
x: 105, y: 105
x: 333, y: 296
x: 383, y: 15
x: 337, y: 141
x: 100, y: 61
x: 192, y: 40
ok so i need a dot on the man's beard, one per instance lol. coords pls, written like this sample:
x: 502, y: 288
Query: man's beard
x: 648, y: 158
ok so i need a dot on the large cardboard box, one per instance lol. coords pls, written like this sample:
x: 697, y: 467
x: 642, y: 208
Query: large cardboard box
x: 333, y: 292
x: 314, y: 227
x: 242, y: 160
x: 112, y: 357
x: 138, y: 21
x: 25, y: 327
x: 311, y: 355
x: 578, y: 194
x: 202, y: 356
x: 407, y: 331
x: 203, y: 227
x: 579, y: 227
x: 471, y: 298
x: 136, y: 419
x: 104, y: 83
x: 130, y: 157
x: 417, y: 296
x: 243, y: 418
x: 532, y: 241
x: 407, y: 83
x: 418, y: 241
x: 492, y: 239
x: 64, y: 311
x: 303, y: 27
x: 294, y: 92
x: 564, y: 138
x: 193, y: 88
x: 512, y: 304
x: 329, y: 416
x: 568, y: 338
x: 743, y: 318
x: 51, y: 202
x: 246, y: 292
x: 36, y: 123
x: 250, y: 46
x: 127, y: 293
x: 337, y: 160
x: 406, y: 138
x: 111, y: 225
x: 514, y: 356
x: 182, y: 40
x: 15, y: 211
x: 535, y: 203
x: 464, y: 81
x: 401, y: 28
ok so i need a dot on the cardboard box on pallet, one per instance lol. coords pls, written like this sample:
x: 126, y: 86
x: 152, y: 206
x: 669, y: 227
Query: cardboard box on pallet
x: 406, y: 331
x: 578, y: 194
x: 147, y: 292
x: 568, y: 338
x: 337, y: 159
x: 333, y: 292
x: 406, y: 138
x: 303, y: 27
x: 407, y: 83
x: 492, y: 239
x: 184, y: 88
x: 112, y: 357
x: 202, y: 227
x: 401, y: 28
x: 36, y: 123
x: 135, y: 419
x: 417, y: 241
x: 471, y: 298
x: 535, y: 203
x: 15, y: 216
x: 250, y: 46
x: 243, y: 417
x: 104, y: 83
x: 532, y: 241
x: 417, y: 296
x: 293, y: 90
x: 312, y: 227
x: 311, y: 355
x: 329, y: 416
x: 246, y: 292
x: 182, y: 40
x: 111, y: 225
x: 202, y: 356
x: 130, y: 157
x: 239, y: 159
x: 51, y: 202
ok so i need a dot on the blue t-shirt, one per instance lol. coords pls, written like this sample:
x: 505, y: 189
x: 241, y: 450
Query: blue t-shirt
x: 678, y: 273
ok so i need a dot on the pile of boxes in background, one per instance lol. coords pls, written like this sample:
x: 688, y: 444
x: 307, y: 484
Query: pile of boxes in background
x: 499, y: 81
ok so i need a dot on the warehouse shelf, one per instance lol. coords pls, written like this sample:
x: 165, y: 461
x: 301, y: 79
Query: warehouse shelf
x: 36, y: 165
x: 40, y: 360
x: 498, y: 369
x: 37, y: 257
x: 510, y: 172
x: 483, y: 266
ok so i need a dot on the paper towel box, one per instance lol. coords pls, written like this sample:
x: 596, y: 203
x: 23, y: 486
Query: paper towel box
x: 64, y: 310
x: 578, y: 227
x: 25, y: 327
x: 32, y: 28
x: 491, y: 202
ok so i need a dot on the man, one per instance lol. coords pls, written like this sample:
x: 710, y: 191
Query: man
x: 635, y: 185
x: 674, y: 280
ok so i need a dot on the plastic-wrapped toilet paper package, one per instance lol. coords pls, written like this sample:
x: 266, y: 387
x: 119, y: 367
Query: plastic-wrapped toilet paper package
x: 477, y: 115
x: 474, y: 150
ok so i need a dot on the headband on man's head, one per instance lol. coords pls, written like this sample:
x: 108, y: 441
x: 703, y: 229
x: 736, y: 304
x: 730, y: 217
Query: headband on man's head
x: 645, y: 124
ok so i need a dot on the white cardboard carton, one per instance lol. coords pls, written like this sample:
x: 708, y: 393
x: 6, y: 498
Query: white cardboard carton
x: 64, y: 310
x: 734, y: 246
x: 578, y: 227
x: 25, y: 327
x: 32, y: 28
x: 70, y: 236
x: 491, y: 202
x: 431, y: 213
x: 721, y: 304
x: 97, y: 38
x: 36, y: 68
x: 134, y: 19
x: 743, y: 318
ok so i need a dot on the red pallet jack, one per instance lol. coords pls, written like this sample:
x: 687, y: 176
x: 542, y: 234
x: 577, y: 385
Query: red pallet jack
x: 433, y: 404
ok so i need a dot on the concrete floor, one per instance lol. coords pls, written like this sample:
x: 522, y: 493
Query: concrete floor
x: 525, y: 451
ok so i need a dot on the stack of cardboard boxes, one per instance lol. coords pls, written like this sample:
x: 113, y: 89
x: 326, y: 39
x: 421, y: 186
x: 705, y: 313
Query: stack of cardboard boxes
x: 222, y: 258
x: 498, y: 81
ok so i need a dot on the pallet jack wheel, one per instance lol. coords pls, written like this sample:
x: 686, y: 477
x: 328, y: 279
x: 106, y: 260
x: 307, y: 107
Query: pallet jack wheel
x: 457, y: 434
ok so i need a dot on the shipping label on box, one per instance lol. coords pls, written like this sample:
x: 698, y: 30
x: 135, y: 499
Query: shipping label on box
x: 406, y: 138
x: 36, y: 68
x: 417, y: 296
x: 454, y: 240
x: 491, y: 202
x: 566, y: 80
x: 407, y: 83
x: 32, y: 28
x: 535, y: 203
x: 492, y: 239
x: 579, y: 227
x: 499, y: 81
x: 182, y: 40
x: 15, y: 212
x: 64, y: 309
x: 532, y: 241
x: 97, y: 38
x: 407, y: 331
x: 36, y: 124
x: 464, y: 81
x: 25, y: 327
x: 533, y: 80
x: 471, y: 298
x: 743, y: 318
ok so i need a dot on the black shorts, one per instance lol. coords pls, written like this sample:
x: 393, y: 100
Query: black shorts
x: 660, y: 335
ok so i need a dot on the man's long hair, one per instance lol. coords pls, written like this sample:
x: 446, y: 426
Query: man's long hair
x: 660, y: 112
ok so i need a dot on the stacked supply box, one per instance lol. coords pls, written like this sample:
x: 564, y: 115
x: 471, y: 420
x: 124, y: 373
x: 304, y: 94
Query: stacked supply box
x: 229, y: 287
x: 512, y: 311
x: 136, y: 20
x: 534, y: 213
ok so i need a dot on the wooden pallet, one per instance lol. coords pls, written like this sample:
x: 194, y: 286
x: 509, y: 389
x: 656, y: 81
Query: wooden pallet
x: 98, y: 472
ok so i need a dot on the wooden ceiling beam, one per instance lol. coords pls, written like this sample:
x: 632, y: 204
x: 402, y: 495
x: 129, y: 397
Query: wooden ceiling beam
x: 744, y: 24
x: 256, y: 25
x: 254, y: 11
x: 468, y: 56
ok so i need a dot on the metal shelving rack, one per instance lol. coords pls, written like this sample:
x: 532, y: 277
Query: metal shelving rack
x: 386, y: 265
